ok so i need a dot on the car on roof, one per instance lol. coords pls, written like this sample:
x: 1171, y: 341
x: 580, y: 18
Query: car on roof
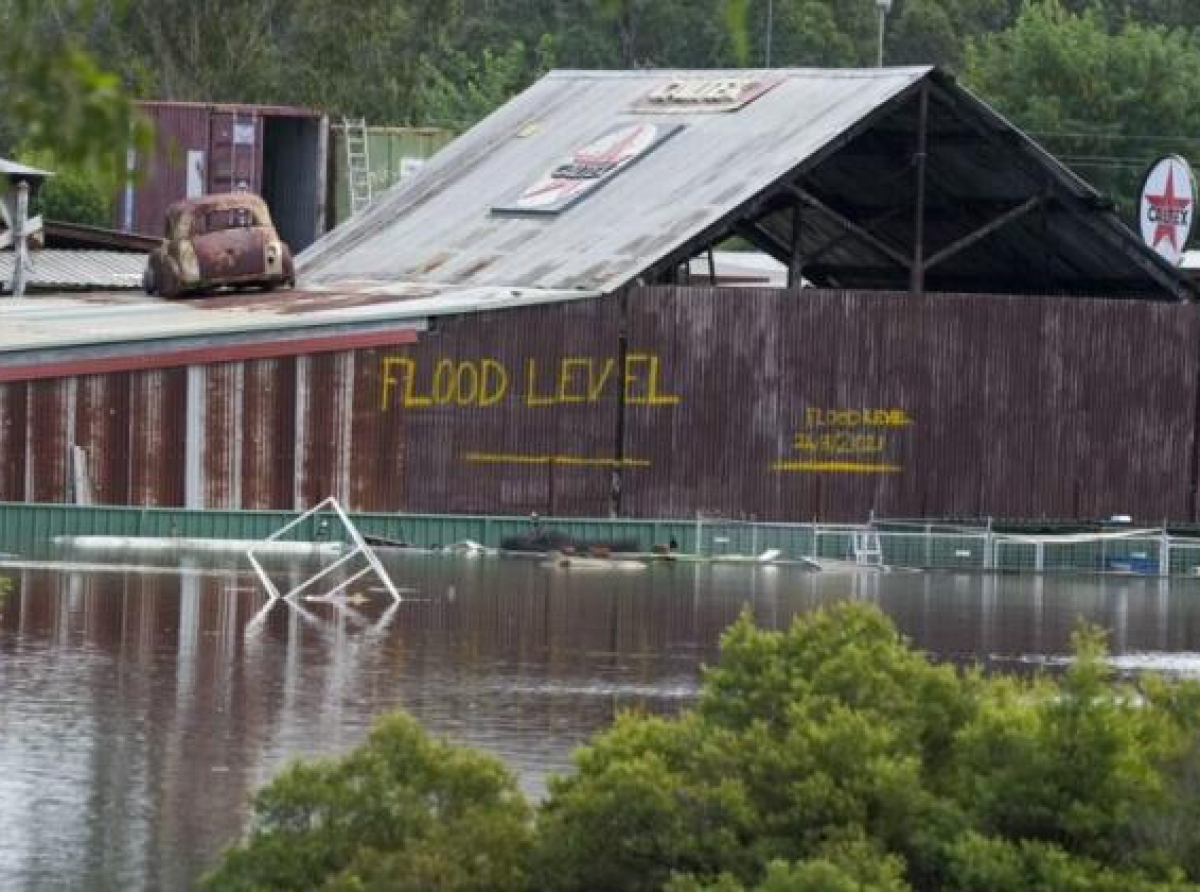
x: 218, y: 241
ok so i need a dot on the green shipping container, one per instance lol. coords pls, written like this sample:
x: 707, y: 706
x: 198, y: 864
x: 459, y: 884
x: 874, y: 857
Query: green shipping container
x: 393, y: 153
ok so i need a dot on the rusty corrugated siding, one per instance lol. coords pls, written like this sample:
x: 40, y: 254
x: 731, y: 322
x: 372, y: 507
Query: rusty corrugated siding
x: 377, y: 442
x: 221, y: 435
x: 102, y: 433
x: 1015, y: 407
x: 48, y: 438
x: 268, y: 444
x: 667, y: 402
x: 12, y: 441
x: 325, y: 396
x: 157, y: 436
x: 517, y: 409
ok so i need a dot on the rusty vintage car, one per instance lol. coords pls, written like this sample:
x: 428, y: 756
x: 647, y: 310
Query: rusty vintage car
x: 218, y: 241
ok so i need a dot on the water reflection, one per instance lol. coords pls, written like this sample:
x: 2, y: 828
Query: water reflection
x: 139, y: 710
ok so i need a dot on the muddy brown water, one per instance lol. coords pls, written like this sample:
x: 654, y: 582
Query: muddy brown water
x: 139, y: 710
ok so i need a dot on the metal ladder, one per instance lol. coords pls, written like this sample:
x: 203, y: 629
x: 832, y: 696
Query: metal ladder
x: 358, y: 164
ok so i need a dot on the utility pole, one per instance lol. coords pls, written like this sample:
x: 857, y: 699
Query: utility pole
x: 885, y: 6
x: 770, y: 31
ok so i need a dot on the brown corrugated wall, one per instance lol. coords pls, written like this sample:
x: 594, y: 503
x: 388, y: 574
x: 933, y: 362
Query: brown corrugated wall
x: 12, y: 441
x: 663, y: 402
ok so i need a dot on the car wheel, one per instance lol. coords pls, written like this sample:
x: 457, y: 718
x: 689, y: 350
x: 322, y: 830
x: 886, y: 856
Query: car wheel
x: 148, y: 283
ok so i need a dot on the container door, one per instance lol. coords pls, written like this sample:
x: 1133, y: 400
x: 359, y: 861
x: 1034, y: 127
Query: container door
x: 235, y: 145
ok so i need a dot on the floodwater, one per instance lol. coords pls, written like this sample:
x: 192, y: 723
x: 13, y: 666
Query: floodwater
x: 140, y: 710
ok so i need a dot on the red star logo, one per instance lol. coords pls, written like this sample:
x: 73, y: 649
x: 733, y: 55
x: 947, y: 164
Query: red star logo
x: 1167, y: 212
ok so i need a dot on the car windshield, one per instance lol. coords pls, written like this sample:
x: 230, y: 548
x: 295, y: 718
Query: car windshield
x: 220, y: 219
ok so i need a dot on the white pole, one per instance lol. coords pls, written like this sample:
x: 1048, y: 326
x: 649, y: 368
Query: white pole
x: 20, y: 249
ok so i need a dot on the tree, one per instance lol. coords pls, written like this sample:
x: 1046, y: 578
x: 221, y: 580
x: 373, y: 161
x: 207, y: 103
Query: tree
x: 836, y: 737
x: 71, y: 195
x: 1106, y: 102
x: 831, y: 756
x: 401, y: 812
x: 56, y: 97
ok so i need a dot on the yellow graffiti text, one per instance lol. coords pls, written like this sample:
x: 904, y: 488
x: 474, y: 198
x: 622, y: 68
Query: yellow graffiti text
x: 841, y: 443
x: 846, y: 441
x: 480, y: 383
x: 509, y: 458
x: 408, y: 383
x: 836, y: 467
x: 587, y: 379
x: 856, y: 418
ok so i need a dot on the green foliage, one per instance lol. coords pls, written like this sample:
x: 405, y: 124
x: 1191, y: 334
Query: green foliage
x: 836, y: 737
x: 456, y: 91
x: 71, y: 195
x: 400, y: 812
x: 830, y: 757
x: 56, y: 97
x: 1107, y: 95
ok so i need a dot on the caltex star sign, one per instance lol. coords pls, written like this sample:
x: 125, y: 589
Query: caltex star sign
x: 1167, y: 205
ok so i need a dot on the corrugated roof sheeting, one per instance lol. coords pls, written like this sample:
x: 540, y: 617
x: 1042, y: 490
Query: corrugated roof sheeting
x: 92, y: 324
x: 438, y: 227
x: 849, y: 138
x: 64, y: 270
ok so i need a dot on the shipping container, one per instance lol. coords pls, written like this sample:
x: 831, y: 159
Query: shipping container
x: 393, y: 153
x: 278, y: 152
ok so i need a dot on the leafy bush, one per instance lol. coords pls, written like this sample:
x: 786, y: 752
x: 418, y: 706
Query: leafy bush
x: 832, y: 756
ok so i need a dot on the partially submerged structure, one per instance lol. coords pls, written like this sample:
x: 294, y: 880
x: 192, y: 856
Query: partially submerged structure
x: 969, y: 329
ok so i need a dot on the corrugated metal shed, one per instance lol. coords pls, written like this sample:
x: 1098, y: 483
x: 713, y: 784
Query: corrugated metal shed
x: 63, y: 270
x: 870, y: 173
x: 771, y: 403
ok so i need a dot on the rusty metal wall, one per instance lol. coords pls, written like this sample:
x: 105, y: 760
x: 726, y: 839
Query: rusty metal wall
x: 102, y: 436
x: 268, y: 441
x: 508, y: 412
x: 665, y: 402
x: 13, y: 416
x: 830, y: 404
x: 157, y: 434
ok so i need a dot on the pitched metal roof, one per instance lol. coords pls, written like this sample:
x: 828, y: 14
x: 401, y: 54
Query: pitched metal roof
x: 1001, y: 214
x: 131, y: 323
x: 13, y: 169
x: 64, y: 270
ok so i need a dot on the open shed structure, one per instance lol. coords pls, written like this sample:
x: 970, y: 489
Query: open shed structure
x: 885, y: 180
x: 969, y: 329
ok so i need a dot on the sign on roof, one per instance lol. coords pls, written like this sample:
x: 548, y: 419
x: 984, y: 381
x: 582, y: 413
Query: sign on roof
x: 1166, y: 210
x: 589, y: 167
x: 718, y: 94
